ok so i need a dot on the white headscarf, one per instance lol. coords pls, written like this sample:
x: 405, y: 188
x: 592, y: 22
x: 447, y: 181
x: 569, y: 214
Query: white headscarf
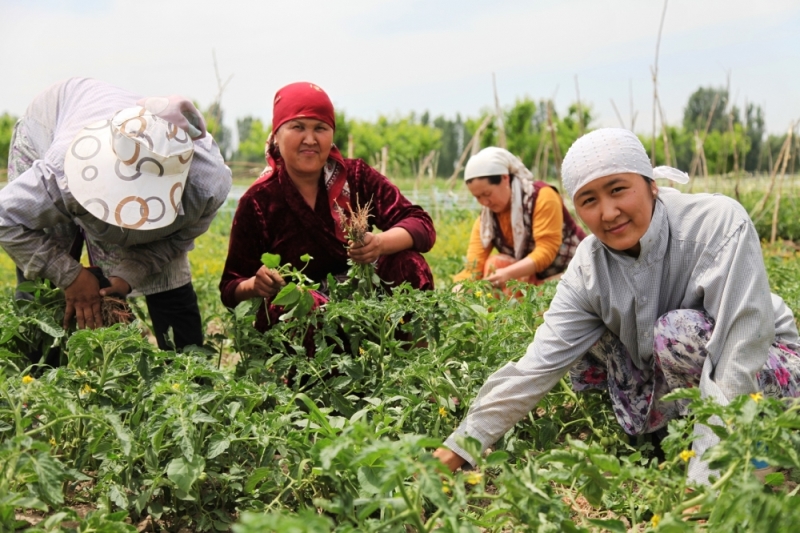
x: 493, y: 161
x: 610, y: 151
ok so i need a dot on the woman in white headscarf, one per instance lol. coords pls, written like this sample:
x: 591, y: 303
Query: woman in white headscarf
x: 670, y: 291
x: 524, y: 220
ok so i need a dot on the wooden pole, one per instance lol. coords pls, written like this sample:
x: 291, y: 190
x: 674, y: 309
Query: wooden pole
x: 384, y: 159
x: 552, y: 128
x: 655, y: 86
x: 619, y: 117
x: 501, y: 130
x: 580, y: 108
x: 475, y: 139
x: 782, y: 160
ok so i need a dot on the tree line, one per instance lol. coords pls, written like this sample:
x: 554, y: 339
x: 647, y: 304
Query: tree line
x: 714, y: 137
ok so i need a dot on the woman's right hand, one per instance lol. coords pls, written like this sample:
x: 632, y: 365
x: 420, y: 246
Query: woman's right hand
x: 450, y: 458
x: 267, y: 283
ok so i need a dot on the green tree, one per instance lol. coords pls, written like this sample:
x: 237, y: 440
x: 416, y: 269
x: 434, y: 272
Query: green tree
x: 6, y: 129
x: 695, y: 115
x: 252, y: 140
x: 214, y: 116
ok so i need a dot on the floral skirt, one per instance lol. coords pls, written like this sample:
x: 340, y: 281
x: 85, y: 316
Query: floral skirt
x: 679, y: 351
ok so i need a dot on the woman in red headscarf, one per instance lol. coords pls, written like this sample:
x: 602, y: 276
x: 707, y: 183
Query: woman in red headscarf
x: 293, y: 209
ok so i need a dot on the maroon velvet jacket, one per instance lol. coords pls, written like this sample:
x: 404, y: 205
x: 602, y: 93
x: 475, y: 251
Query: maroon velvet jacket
x: 273, y: 217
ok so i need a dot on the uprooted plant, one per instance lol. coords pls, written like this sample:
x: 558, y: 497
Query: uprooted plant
x: 355, y: 225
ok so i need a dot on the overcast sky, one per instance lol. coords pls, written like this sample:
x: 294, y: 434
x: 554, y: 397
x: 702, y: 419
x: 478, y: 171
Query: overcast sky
x: 394, y: 56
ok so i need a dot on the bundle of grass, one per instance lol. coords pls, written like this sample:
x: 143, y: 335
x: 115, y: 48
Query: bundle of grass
x: 355, y: 225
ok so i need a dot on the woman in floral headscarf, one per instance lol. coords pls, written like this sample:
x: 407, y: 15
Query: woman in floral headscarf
x: 524, y: 220
x: 294, y: 209
x: 670, y: 291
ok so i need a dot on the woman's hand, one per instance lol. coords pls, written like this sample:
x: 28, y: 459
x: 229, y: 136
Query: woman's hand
x: 499, y: 277
x: 369, y: 251
x: 267, y: 283
x: 83, y: 301
x: 118, y: 286
x: 450, y: 458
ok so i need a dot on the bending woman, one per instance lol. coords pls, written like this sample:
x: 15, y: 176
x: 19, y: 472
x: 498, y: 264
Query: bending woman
x: 670, y: 291
x: 293, y: 209
x: 524, y: 220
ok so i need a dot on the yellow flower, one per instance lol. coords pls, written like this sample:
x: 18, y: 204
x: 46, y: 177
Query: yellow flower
x: 478, y: 294
x: 757, y: 397
x: 361, y: 351
x: 686, y: 455
x: 176, y: 386
x: 28, y: 379
x: 52, y: 441
x: 473, y: 478
x: 442, y: 412
x: 402, y: 321
x: 655, y: 520
x: 87, y: 389
x: 445, y: 487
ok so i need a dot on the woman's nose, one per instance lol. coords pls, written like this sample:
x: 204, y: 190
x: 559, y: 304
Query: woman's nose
x: 609, y: 211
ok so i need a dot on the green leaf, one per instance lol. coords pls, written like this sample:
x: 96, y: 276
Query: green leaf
x: 496, y: 458
x: 369, y: 481
x: 49, y: 473
x: 217, y: 445
x: 184, y: 473
x: 606, y: 463
x: 775, y: 479
x: 305, y: 258
x: 304, y: 305
x: 258, y: 475
x: 49, y: 327
x: 288, y: 295
x: 271, y: 260
x: 124, y: 436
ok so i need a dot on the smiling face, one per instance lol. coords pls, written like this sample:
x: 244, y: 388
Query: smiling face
x: 304, y: 144
x: 617, y: 209
x: 496, y: 197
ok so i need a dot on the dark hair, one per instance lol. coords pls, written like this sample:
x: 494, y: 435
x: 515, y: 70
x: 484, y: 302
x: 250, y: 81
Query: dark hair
x: 646, y: 179
x: 493, y: 180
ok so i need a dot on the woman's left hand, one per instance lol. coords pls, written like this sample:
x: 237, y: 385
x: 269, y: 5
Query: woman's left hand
x: 369, y: 251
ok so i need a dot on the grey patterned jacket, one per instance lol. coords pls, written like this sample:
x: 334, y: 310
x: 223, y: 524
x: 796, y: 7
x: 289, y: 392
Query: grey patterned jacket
x: 39, y: 217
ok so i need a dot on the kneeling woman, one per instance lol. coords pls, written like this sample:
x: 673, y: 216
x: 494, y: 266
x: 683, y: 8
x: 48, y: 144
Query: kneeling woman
x: 524, y: 220
x: 670, y: 291
x: 294, y: 209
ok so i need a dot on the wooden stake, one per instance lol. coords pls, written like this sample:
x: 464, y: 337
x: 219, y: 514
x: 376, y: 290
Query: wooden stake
x: 501, y: 130
x: 580, y: 109
x: 451, y: 181
x: 619, y: 117
x: 783, y: 159
x: 384, y: 159
x: 655, y: 86
x: 351, y: 147
x: 552, y: 128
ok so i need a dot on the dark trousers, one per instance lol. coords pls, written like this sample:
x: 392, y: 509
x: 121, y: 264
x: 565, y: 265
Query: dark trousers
x: 176, y: 309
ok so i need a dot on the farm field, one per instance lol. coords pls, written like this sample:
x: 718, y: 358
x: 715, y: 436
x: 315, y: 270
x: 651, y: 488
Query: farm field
x: 252, y: 433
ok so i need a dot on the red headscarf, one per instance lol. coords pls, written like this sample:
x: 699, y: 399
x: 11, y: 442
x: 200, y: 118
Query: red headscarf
x: 307, y: 100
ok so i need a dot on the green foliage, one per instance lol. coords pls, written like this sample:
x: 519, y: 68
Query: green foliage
x: 7, y: 122
x: 252, y: 139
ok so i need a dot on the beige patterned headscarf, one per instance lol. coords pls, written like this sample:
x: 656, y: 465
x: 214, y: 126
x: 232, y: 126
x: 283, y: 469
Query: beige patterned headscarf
x: 493, y: 161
